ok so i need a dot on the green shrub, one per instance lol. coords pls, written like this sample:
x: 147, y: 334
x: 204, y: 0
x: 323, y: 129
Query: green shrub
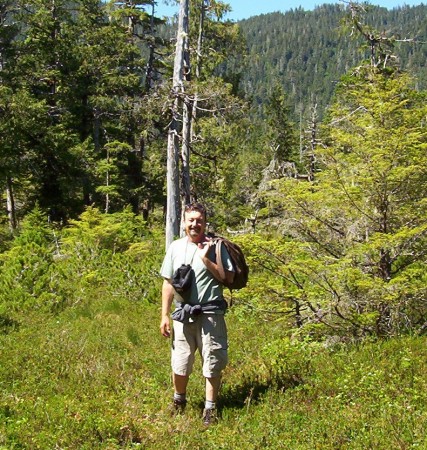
x: 51, y: 269
x: 25, y: 274
x: 96, y: 374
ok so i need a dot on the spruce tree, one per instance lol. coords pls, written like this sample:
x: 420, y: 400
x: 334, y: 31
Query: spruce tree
x: 356, y: 259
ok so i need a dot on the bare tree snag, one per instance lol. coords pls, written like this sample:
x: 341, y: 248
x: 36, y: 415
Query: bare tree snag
x: 172, y: 206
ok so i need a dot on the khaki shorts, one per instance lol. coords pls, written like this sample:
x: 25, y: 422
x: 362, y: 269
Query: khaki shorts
x: 208, y: 334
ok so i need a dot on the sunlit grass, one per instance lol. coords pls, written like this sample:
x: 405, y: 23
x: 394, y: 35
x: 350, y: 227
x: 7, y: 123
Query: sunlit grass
x: 97, y: 376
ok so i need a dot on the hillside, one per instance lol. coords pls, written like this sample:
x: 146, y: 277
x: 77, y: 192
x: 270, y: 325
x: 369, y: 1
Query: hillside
x: 308, y: 51
x: 327, y: 340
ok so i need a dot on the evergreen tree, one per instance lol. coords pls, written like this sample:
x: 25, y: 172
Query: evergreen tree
x: 283, y: 138
x: 309, y: 51
x: 356, y: 261
x: 80, y: 75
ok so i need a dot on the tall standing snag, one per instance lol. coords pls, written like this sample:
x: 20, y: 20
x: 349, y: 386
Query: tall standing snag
x: 173, y: 199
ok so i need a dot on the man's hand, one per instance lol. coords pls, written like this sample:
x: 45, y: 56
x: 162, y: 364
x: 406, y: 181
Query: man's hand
x: 167, y: 298
x: 204, y: 248
x: 165, y: 327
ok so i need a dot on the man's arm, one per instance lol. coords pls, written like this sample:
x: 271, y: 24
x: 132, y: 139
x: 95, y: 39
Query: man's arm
x: 167, y: 298
x: 213, y: 267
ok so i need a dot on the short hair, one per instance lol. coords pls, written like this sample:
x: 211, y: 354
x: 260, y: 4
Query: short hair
x: 195, y: 207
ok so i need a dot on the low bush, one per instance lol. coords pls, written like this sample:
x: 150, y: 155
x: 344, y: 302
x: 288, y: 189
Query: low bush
x: 51, y: 269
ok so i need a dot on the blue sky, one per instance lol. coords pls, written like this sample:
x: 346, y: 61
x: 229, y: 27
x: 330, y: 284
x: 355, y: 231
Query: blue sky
x: 243, y: 9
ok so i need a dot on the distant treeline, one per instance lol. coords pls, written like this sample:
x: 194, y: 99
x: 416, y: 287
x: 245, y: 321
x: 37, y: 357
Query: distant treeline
x: 308, y: 51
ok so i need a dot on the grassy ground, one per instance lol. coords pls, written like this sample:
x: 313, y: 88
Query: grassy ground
x: 96, y: 376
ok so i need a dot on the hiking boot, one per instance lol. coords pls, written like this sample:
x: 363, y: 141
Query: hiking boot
x: 209, y: 417
x: 178, y: 406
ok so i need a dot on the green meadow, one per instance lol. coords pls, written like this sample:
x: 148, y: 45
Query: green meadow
x: 83, y: 365
x: 97, y: 376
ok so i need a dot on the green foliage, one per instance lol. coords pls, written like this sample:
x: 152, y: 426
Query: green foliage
x: 282, y: 129
x: 288, y: 361
x: 334, y: 260
x: 84, y: 75
x: 215, y: 174
x: 307, y: 52
x: 107, y: 171
x: 352, y: 239
x: 24, y: 269
x: 355, y: 397
x: 70, y: 88
x: 88, y: 371
x: 221, y: 39
x: 113, y: 253
x: 90, y: 357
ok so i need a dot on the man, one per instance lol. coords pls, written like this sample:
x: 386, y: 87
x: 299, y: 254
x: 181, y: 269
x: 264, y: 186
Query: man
x: 206, y: 331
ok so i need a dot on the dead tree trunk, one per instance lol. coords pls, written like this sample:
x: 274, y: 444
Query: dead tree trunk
x: 198, y: 68
x: 172, y: 206
x: 190, y: 110
x: 313, y: 142
x: 186, y: 126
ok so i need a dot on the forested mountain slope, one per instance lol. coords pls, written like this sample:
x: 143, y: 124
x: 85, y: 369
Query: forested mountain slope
x: 308, y: 51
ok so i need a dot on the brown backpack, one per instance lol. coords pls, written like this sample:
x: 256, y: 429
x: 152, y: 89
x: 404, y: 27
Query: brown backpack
x: 241, y: 269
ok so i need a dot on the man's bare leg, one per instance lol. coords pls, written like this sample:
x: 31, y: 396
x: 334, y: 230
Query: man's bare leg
x: 180, y: 383
x: 180, y: 395
x: 212, y: 388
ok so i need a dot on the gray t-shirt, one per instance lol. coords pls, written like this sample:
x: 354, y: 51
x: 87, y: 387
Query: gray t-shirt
x: 206, y: 288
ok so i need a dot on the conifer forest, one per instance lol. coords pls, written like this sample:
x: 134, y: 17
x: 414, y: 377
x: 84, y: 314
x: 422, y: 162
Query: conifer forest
x: 305, y: 135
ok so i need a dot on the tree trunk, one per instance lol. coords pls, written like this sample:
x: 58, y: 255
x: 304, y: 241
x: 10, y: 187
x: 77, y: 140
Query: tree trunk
x: 172, y: 183
x: 186, y: 132
x: 107, y: 182
x: 313, y: 143
x: 385, y: 265
x: 10, y: 204
x: 190, y: 113
x: 172, y: 207
x: 199, y: 59
x: 185, y: 152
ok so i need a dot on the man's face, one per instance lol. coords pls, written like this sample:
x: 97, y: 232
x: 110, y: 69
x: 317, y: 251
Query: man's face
x: 195, y: 225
